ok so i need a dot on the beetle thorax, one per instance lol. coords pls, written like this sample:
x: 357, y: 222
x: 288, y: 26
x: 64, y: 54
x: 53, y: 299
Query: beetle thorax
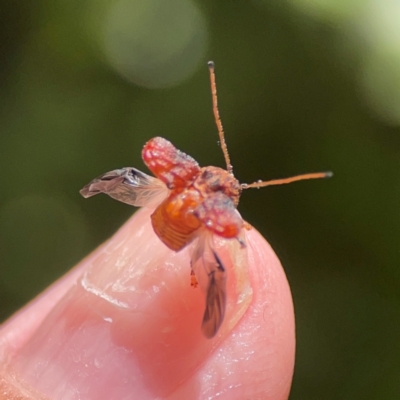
x: 214, y: 179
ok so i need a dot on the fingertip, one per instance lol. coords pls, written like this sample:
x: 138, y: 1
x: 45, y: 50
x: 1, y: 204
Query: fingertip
x: 130, y: 304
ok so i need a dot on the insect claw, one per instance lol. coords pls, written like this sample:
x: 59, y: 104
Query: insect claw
x: 193, y: 280
x: 247, y: 226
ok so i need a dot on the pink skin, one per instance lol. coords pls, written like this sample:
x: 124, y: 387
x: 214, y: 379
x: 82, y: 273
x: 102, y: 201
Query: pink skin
x: 125, y: 324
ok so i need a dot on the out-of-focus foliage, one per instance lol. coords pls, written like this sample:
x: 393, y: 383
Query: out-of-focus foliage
x: 304, y: 85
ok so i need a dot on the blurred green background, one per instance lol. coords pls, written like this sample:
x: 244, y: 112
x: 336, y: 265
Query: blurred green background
x: 304, y: 85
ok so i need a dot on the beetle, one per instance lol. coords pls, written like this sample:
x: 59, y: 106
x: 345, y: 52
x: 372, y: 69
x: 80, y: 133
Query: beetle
x: 192, y: 204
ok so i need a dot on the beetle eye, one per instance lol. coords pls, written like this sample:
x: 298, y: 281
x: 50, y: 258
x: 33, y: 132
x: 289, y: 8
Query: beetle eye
x: 206, y: 174
x: 216, y: 185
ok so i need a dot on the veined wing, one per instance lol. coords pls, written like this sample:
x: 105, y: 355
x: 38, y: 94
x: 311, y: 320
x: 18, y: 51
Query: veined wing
x: 211, y: 276
x: 128, y: 185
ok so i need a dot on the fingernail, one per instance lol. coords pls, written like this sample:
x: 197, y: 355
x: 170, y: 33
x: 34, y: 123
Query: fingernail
x: 131, y: 323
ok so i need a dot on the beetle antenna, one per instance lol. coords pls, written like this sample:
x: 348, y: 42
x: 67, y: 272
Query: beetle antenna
x: 221, y: 134
x: 259, y: 184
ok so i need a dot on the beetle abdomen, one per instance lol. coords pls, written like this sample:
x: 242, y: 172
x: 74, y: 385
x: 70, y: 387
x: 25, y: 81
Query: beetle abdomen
x: 174, y: 221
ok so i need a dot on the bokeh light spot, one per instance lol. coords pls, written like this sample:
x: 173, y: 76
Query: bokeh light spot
x: 154, y: 43
x: 379, y: 31
x: 328, y: 10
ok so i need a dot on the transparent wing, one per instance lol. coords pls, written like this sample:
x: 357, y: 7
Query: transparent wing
x: 211, y: 276
x: 128, y: 185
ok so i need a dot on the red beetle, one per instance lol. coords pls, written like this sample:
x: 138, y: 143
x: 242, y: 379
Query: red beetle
x: 192, y: 204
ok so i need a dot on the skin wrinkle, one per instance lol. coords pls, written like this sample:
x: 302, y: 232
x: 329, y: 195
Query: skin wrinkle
x: 134, y: 268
